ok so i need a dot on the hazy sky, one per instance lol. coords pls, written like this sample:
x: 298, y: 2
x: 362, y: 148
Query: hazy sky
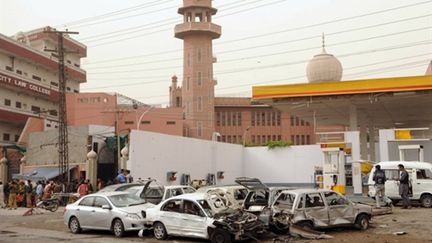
x: 262, y: 42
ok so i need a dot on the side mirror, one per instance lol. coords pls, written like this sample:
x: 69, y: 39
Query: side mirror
x: 106, y: 207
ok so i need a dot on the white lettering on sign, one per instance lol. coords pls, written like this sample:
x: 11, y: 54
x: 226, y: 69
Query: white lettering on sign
x: 24, y: 84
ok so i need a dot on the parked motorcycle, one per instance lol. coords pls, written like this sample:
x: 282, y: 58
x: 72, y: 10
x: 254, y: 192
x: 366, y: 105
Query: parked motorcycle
x: 49, y: 204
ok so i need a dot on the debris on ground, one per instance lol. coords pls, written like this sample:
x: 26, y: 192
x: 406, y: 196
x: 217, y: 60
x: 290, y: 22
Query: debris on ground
x: 308, y: 233
x: 400, y: 233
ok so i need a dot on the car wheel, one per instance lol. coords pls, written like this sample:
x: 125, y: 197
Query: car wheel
x: 118, y: 228
x: 159, y: 231
x: 426, y: 201
x: 307, y: 225
x: 74, y: 225
x: 220, y: 236
x: 54, y: 207
x: 362, y: 222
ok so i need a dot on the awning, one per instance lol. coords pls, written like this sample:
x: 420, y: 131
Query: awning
x: 44, y: 173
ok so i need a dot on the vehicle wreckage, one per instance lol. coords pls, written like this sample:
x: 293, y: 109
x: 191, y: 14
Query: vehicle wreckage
x: 201, y: 215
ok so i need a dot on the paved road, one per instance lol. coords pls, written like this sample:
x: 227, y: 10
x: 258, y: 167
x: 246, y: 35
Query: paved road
x: 48, y: 227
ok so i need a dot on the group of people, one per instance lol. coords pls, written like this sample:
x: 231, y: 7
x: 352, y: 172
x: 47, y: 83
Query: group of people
x: 24, y: 193
x: 379, y: 178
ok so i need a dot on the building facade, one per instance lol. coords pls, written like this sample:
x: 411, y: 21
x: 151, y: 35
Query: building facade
x: 29, y: 84
x: 227, y: 119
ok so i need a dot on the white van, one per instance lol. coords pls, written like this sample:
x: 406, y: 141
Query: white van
x: 420, y: 175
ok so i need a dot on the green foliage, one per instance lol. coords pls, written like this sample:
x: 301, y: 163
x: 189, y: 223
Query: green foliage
x: 278, y: 144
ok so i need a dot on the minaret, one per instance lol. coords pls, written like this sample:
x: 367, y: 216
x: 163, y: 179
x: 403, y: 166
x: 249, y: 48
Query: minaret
x: 198, y: 32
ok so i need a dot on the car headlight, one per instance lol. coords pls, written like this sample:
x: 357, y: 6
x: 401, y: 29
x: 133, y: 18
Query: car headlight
x: 133, y: 216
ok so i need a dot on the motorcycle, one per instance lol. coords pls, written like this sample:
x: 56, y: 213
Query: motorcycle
x: 49, y: 204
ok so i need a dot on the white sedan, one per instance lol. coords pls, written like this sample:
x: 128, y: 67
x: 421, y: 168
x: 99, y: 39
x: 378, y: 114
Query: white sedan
x: 200, y: 215
x: 115, y: 211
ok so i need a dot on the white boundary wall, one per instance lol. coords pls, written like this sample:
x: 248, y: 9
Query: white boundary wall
x: 295, y: 164
x: 154, y: 154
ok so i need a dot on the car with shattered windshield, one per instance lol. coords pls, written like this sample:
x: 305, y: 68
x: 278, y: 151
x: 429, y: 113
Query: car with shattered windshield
x: 201, y: 215
x: 115, y: 211
x: 320, y: 208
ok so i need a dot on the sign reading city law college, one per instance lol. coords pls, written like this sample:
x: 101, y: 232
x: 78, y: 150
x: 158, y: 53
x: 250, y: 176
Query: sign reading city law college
x: 27, y: 86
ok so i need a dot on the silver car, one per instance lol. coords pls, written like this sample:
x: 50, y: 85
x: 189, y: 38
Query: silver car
x: 319, y: 208
x: 114, y: 211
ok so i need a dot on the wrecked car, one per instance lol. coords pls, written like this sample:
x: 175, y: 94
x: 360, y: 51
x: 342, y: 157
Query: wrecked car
x: 234, y: 195
x: 259, y: 201
x: 201, y: 215
x: 320, y: 208
x: 153, y: 192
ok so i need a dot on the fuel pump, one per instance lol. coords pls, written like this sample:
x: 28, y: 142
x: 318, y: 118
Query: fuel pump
x: 334, y: 169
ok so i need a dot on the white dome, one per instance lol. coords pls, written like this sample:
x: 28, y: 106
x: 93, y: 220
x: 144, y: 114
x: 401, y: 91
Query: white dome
x: 324, y: 67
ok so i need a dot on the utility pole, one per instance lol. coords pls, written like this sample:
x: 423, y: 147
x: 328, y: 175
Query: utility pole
x: 63, y: 132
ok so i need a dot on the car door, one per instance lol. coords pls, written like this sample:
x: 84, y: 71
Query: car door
x: 193, y: 219
x: 421, y: 182
x: 392, y: 183
x: 83, y: 211
x: 100, y: 218
x: 171, y: 217
x: 340, y: 210
x: 316, y: 210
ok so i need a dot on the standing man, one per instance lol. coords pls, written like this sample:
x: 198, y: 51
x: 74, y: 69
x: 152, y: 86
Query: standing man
x: 404, y: 186
x: 39, y: 191
x: 2, y: 198
x: 13, y: 191
x: 379, y: 178
x: 121, y: 178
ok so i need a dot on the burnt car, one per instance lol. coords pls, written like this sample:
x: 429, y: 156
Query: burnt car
x: 201, y: 215
x: 259, y: 200
x: 320, y: 208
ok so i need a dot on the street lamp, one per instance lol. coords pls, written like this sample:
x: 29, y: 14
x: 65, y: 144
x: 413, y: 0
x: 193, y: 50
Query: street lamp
x: 142, y: 115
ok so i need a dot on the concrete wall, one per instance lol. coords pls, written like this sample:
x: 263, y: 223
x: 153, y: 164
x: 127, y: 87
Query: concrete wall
x: 153, y: 155
x: 295, y: 164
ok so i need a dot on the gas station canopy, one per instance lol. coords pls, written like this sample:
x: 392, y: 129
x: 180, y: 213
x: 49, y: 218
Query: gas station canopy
x: 384, y: 102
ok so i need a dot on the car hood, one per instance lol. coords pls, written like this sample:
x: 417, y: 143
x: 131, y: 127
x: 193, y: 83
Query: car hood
x: 136, y: 208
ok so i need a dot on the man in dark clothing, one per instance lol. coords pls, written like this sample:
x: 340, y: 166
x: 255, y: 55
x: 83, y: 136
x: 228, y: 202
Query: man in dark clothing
x: 404, y: 186
x: 379, y: 178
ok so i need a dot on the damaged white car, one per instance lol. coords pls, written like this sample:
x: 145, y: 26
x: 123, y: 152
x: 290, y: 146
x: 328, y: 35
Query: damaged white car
x: 201, y: 215
x: 319, y: 208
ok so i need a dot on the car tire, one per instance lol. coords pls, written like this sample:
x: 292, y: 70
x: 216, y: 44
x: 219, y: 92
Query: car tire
x: 307, y: 225
x: 159, y: 231
x: 426, y: 201
x: 362, y: 222
x: 220, y: 236
x: 118, y: 228
x: 74, y: 225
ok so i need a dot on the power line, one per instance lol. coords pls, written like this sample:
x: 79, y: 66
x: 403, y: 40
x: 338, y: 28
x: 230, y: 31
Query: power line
x: 138, y: 28
x: 291, y: 29
x: 389, y: 48
x: 288, y: 41
x: 270, y: 45
x: 113, y: 13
